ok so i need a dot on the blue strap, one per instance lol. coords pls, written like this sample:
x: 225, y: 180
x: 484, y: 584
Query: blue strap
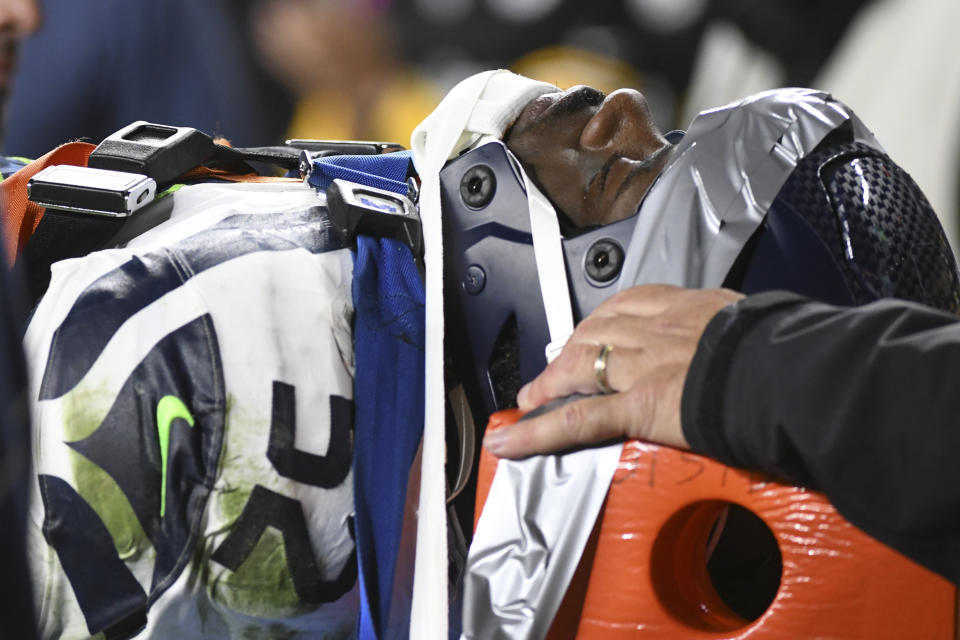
x: 9, y: 166
x: 388, y: 297
x: 387, y: 171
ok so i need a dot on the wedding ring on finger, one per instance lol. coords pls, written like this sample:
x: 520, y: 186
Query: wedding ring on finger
x: 600, y: 369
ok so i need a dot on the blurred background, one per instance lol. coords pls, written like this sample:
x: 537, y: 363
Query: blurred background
x: 259, y: 71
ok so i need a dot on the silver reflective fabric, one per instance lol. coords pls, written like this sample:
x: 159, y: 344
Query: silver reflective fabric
x: 713, y: 193
x: 528, y: 542
x: 721, y: 180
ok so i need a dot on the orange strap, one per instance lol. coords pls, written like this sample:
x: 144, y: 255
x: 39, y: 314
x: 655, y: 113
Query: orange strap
x: 19, y: 216
x: 201, y: 172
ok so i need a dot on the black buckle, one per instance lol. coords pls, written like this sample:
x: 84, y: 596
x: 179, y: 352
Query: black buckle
x: 357, y: 209
x: 161, y: 152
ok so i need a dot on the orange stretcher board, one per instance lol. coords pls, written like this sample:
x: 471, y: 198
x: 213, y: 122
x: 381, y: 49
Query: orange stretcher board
x: 643, y: 573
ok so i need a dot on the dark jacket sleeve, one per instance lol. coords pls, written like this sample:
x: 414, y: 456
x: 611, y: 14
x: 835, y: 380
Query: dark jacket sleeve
x: 16, y: 596
x: 861, y: 403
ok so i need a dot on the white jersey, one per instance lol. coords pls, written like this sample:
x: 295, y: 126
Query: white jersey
x: 193, y: 426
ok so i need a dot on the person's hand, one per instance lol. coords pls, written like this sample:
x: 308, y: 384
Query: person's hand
x: 653, y: 331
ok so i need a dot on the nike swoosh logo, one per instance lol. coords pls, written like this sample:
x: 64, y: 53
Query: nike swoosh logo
x: 168, y: 409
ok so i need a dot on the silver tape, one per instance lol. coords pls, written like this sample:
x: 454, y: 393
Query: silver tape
x: 721, y: 180
x: 715, y: 190
x: 528, y: 542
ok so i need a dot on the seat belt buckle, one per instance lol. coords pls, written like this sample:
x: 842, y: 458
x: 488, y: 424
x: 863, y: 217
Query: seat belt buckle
x: 161, y: 152
x: 322, y: 148
x: 116, y: 194
x: 357, y: 209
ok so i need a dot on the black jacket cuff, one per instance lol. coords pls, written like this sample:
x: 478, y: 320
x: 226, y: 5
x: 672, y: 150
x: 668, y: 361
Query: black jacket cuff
x: 704, y: 391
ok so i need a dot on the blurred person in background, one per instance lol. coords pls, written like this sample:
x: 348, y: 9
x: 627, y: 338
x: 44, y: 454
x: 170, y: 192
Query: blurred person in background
x: 689, y: 55
x: 96, y: 66
x: 660, y: 40
x: 17, y: 19
x: 885, y: 56
x: 339, y: 58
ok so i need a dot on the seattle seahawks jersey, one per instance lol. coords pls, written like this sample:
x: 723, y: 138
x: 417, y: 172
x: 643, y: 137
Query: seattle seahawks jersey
x: 193, y: 427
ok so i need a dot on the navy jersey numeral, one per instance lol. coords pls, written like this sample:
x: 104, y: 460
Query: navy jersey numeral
x: 267, y: 508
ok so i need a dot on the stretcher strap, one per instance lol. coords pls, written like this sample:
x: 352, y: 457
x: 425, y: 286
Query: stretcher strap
x: 388, y: 301
x: 211, y: 174
x: 387, y: 171
x: 429, y: 610
x: 551, y: 269
x: 483, y: 105
x: 20, y: 216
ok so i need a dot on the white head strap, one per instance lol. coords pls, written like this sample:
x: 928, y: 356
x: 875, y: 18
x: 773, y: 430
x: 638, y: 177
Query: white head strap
x: 478, y: 109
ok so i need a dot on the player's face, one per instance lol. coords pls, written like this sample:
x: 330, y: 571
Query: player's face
x: 594, y: 156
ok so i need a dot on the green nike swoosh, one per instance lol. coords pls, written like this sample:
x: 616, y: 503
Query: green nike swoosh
x: 168, y: 409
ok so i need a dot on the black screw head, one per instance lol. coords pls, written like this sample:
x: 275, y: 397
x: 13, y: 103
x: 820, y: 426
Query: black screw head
x: 603, y: 261
x: 413, y: 190
x: 474, y: 279
x: 478, y: 186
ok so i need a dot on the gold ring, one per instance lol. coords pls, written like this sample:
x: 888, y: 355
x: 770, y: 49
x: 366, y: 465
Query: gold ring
x: 600, y: 368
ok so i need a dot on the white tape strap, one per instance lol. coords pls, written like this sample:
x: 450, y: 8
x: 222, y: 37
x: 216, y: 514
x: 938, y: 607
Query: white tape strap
x: 551, y: 270
x: 432, y: 145
x: 484, y: 104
